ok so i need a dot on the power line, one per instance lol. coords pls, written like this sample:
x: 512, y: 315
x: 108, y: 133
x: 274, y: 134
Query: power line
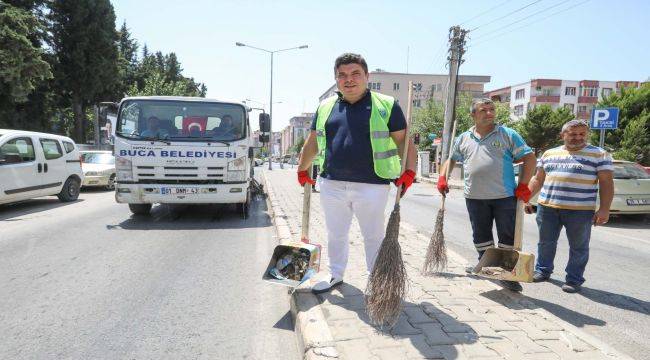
x: 522, y: 19
x: 484, y: 12
x: 528, y: 24
x: 506, y: 15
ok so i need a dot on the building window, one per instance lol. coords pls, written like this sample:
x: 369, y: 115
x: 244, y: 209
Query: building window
x: 570, y: 91
x: 590, y: 91
x: 417, y: 87
x: 395, y: 86
x: 374, y: 86
x: 416, y: 103
x: 570, y: 107
x: 607, y: 92
x: 582, y: 108
x: 519, y: 110
x: 520, y: 94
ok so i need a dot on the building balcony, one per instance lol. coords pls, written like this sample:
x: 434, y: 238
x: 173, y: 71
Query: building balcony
x: 587, y: 99
x: 545, y: 99
x: 583, y: 115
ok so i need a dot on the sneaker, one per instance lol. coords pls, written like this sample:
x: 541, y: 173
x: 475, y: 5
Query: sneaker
x: 511, y: 285
x: 540, y: 277
x: 325, y: 286
x: 571, y: 288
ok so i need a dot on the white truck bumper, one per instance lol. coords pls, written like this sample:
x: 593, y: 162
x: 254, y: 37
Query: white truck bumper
x: 181, y: 193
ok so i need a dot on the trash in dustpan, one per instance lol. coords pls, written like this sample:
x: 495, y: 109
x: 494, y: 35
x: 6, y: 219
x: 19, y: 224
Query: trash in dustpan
x: 508, y: 264
x: 293, y: 264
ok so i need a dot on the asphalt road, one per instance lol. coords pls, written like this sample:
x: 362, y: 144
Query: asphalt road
x: 87, y: 280
x: 615, y: 302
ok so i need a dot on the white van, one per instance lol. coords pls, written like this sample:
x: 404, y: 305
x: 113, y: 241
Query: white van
x: 36, y: 164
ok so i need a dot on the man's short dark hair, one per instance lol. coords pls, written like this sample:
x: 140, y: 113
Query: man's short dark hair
x: 350, y: 58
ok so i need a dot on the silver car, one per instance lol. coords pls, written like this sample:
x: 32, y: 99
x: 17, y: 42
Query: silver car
x: 98, y: 168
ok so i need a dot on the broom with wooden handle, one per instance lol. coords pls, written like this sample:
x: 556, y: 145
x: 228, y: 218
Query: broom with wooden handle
x: 387, y: 283
x: 436, y: 258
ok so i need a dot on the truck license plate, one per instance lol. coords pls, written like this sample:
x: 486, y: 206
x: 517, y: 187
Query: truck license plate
x: 178, y: 191
x: 632, y: 202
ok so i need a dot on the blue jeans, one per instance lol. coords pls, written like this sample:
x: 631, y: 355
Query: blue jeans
x: 483, y: 214
x: 577, y: 224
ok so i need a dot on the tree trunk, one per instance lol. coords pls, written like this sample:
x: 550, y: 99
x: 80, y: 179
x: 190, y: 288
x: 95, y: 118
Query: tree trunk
x: 77, y: 110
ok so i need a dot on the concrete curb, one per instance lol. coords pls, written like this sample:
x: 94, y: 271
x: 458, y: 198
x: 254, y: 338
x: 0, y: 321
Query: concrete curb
x: 312, y: 330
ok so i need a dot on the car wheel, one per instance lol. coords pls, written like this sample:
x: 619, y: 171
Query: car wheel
x: 111, y: 183
x: 70, y: 190
x: 140, y: 209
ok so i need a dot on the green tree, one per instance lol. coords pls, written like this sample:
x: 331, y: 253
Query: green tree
x: 22, y: 67
x: 128, y: 60
x: 85, y: 44
x: 155, y: 85
x: 635, y: 145
x: 632, y: 103
x: 430, y: 119
x: 541, y: 127
x: 297, y: 147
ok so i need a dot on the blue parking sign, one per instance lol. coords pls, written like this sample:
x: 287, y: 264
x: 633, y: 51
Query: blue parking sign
x: 604, y: 118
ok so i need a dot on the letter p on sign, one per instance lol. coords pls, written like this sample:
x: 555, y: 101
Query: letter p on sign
x: 606, y: 118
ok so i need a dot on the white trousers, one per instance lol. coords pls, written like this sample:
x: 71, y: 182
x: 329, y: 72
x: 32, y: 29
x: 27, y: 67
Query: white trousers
x: 342, y: 199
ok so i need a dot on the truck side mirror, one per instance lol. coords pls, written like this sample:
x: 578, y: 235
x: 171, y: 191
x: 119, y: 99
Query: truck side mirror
x: 265, y: 122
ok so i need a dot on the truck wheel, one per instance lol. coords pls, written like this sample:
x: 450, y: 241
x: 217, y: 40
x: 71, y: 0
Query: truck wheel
x: 140, y: 209
x: 111, y: 183
x: 70, y: 190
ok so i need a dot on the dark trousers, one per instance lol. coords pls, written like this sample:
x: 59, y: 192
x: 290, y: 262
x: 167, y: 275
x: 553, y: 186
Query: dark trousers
x: 482, y: 215
x: 577, y: 224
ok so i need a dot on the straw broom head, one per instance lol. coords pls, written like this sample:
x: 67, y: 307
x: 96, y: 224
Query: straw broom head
x: 436, y: 258
x: 387, y: 283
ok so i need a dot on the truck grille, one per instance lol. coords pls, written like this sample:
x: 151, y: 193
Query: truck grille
x: 180, y: 174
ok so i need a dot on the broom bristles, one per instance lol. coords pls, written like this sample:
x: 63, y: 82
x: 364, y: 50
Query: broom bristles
x: 387, y: 283
x: 436, y: 258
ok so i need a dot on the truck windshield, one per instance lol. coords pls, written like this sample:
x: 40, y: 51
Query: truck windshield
x: 629, y: 171
x: 181, y: 120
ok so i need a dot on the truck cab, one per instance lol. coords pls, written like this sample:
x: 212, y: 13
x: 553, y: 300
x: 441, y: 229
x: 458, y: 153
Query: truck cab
x: 182, y: 150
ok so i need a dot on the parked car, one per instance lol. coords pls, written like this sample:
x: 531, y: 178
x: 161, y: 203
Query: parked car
x: 631, y: 189
x: 259, y: 162
x: 36, y: 164
x: 98, y: 168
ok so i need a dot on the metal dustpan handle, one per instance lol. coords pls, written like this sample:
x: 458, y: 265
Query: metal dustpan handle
x: 306, y: 204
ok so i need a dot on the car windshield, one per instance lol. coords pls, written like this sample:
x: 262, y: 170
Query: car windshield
x: 629, y: 171
x: 181, y: 120
x: 98, y: 158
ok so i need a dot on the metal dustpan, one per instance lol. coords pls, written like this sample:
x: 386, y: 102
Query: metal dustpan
x: 508, y: 264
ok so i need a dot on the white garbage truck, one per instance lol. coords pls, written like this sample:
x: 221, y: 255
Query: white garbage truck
x: 183, y: 150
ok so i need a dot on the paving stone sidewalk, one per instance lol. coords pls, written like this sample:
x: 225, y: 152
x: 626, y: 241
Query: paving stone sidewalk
x: 447, y: 316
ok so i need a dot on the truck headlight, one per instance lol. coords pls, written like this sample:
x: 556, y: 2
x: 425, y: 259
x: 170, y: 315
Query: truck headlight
x: 238, y: 164
x: 124, y: 168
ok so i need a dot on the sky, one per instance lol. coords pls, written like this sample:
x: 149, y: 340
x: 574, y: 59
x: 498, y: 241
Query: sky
x: 512, y: 41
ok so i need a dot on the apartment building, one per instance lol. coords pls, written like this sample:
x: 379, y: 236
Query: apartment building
x: 297, y: 129
x: 579, y: 96
x: 426, y: 86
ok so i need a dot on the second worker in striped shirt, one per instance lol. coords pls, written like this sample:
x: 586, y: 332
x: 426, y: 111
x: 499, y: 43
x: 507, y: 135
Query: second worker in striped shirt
x: 570, y: 177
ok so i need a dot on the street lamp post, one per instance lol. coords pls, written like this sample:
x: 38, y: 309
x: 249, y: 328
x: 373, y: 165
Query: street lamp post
x: 271, y: 90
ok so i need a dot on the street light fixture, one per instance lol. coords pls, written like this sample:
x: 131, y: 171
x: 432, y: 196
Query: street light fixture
x: 271, y: 92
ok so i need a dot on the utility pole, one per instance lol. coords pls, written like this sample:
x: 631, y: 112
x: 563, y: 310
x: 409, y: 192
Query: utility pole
x: 456, y: 50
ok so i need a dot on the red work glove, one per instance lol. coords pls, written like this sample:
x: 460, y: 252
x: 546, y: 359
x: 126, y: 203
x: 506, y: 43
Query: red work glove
x: 406, y: 180
x: 442, y: 185
x: 523, y: 193
x: 303, y: 177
